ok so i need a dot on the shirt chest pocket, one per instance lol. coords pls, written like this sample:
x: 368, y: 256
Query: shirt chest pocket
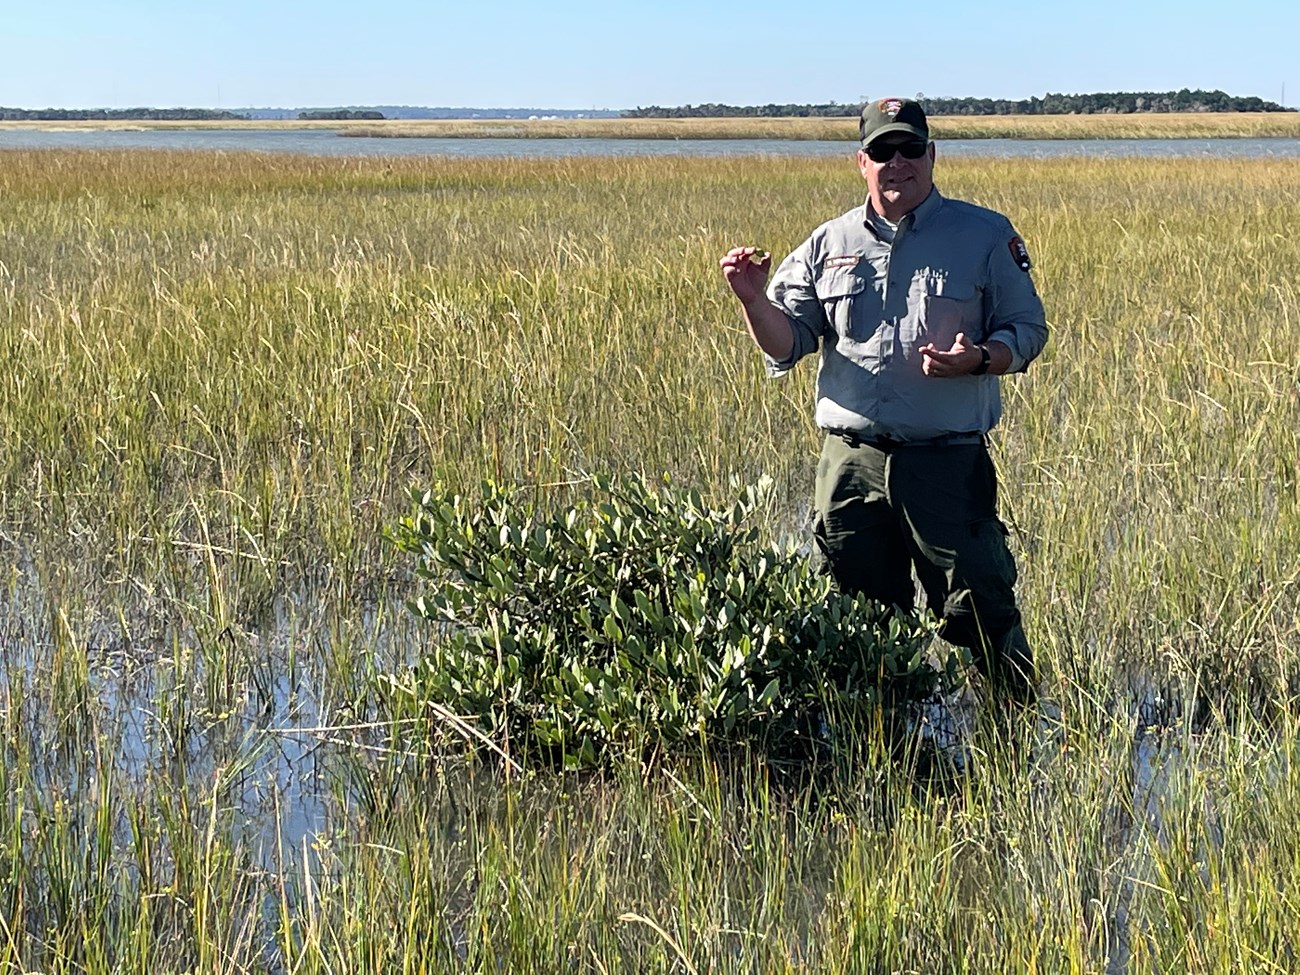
x: 940, y: 317
x: 841, y: 291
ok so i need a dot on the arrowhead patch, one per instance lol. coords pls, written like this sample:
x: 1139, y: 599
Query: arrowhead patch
x: 1020, y: 254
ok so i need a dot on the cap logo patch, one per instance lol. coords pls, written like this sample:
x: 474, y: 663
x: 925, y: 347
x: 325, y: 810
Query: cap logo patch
x: 1020, y: 253
x: 891, y: 106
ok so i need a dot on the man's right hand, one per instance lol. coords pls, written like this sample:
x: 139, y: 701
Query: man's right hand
x: 745, y: 269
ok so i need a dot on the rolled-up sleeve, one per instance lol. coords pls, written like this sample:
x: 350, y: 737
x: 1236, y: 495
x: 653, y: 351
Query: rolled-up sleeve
x: 793, y: 291
x: 1015, y: 312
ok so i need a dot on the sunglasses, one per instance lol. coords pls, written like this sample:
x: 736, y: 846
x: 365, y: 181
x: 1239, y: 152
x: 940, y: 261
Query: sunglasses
x: 881, y: 152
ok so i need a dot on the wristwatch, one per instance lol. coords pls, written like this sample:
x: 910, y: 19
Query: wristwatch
x: 983, y: 367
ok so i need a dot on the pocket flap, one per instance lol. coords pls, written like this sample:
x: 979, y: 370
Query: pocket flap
x: 840, y: 283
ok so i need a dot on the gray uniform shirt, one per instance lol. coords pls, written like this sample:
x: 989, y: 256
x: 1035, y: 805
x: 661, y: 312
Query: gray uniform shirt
x: 871, y: 305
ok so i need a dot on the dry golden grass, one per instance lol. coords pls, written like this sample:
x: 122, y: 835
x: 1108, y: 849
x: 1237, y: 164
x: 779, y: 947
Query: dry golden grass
x: 1188, y: 125
x: 1150, y: 126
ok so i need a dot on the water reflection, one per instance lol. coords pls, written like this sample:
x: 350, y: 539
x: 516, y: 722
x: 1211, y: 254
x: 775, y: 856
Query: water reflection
x: 134, y: 704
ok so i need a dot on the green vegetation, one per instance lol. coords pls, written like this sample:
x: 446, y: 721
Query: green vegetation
x: 224, y: 373
x: 642, y: 622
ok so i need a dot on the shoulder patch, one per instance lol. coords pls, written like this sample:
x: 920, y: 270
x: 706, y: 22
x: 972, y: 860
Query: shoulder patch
x: 1020, y: 253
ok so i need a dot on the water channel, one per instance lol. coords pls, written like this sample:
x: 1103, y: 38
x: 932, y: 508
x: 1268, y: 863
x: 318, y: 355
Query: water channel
x: 329, y: 142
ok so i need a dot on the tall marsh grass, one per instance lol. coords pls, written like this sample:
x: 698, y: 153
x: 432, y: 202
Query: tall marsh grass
x: 1189, y: 125
x: 224, y: 371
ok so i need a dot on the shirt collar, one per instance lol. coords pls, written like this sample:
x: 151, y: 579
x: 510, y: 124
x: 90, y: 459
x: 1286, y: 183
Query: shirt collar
x: 923, y: 214
x: 927, y: 208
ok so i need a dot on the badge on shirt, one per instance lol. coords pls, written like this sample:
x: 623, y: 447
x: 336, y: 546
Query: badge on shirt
x: 846, y: 260
x: 1020, y: 254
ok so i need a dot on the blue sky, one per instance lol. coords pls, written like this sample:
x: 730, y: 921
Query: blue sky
x: 584, y: 54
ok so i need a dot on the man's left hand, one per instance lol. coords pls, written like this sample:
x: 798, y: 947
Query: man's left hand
x: 961, y: 360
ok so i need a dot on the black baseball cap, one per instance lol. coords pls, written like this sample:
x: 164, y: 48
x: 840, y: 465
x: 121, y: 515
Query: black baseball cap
x: 888, y: 115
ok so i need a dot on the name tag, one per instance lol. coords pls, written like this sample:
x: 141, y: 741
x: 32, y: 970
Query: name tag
x: 847, y: 260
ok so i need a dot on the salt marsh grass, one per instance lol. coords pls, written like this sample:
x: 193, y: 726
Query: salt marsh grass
x: 1189, y: 125
x: 221, y: 374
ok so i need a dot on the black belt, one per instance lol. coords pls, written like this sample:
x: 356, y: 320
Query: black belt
x: 885, y: 443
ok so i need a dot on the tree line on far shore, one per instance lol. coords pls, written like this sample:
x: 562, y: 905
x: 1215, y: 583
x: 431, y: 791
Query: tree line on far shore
x: 340, y: 115
x: 1100, y: 103
x: 1114, y: 103
x: 114, y: 114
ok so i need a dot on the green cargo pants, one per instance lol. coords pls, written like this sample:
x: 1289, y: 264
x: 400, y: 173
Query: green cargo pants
x: 882, y: 510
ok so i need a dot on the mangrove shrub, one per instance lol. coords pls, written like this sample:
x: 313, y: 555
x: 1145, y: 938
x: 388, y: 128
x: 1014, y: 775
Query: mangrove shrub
x: 642, y: 619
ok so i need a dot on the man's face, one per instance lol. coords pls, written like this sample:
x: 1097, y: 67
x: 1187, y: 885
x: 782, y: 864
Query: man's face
x: 897, y: 185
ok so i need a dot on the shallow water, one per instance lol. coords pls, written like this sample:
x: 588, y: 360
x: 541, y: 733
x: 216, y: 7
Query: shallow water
x: 248, y: 715
x: 248, y: 720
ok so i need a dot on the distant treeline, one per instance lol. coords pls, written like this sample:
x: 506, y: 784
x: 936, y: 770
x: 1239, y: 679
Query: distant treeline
x: 340, y: 114
x: 113, y: 114
x: 1113, y: 103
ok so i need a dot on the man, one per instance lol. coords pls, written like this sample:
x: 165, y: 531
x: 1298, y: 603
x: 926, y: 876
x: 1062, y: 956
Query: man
x: 918, y: 303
